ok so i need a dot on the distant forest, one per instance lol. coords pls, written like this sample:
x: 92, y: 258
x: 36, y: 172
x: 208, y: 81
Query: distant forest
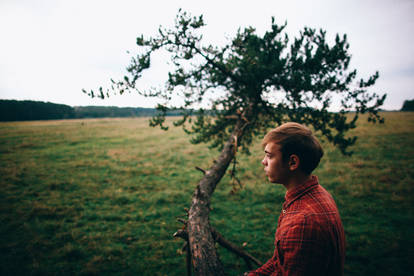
x: 12, y: 110
x: 408, y: 105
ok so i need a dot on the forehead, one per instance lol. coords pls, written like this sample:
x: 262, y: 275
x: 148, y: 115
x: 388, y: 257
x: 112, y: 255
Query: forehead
x: 272, y: 147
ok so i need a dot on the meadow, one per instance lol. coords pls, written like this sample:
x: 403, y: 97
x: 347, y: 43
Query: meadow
x: 102, y: 197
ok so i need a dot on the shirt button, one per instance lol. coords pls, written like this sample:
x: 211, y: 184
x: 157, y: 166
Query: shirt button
x: 284, y: 211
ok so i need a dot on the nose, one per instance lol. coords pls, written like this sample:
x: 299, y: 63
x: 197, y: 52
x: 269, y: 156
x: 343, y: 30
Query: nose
x: 264, y: 161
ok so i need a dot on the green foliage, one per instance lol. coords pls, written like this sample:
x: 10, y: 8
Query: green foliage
x: 101, y: 197
x: 263, y: 79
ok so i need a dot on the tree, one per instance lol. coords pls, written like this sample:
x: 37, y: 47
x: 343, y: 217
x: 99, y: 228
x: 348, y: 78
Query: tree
x: 256, y: 82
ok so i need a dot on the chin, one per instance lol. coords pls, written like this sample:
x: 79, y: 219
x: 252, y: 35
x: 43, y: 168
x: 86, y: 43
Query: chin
x: 275, y: 181
x: 271, y: 180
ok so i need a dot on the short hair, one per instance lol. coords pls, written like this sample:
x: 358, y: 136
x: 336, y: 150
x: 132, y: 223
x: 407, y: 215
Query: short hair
x: 294, y: 138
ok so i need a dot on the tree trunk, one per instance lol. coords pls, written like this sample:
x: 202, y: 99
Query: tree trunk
x: 204, y: 256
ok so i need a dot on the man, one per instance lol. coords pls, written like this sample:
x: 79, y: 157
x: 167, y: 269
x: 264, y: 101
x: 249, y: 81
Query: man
x: 309, y: 238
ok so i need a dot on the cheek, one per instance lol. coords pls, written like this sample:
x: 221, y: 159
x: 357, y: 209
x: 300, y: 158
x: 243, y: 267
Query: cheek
x: 271, y: 167
x: 274, y: 166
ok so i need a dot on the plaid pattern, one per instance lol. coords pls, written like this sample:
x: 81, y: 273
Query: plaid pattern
x: 310, y: 238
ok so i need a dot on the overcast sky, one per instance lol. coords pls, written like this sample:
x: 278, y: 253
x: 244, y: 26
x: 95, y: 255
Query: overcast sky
x: 51, y: 49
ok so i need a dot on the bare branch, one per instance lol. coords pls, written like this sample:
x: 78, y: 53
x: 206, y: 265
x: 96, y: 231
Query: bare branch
x: 200, y: 169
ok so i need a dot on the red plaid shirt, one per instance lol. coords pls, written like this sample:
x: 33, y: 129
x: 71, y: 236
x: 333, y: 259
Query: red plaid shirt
x: 310, y: 238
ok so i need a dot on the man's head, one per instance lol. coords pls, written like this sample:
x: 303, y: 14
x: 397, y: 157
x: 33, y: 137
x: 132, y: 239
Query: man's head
x: 296, y: 148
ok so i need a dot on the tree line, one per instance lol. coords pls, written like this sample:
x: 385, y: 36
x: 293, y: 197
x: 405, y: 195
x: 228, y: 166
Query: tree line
x: 13, y: 110
x: 408, y: 105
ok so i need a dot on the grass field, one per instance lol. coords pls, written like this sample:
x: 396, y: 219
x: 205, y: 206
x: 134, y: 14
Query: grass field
x: 102, y: 197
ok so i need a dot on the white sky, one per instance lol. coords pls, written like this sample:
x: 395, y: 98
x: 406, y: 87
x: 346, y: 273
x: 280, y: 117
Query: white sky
x: 50, y: 50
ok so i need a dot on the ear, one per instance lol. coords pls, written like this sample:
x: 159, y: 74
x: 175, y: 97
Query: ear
x: 294, y: 162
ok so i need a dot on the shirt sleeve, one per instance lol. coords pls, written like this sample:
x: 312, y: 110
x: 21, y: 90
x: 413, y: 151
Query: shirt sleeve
x: 302, y: 248
x: 267, y: 269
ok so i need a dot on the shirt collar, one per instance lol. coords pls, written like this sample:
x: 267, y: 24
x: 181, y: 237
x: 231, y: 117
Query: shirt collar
x: 300, y: 190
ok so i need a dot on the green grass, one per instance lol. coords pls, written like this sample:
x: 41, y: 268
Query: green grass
x: 102, y: 197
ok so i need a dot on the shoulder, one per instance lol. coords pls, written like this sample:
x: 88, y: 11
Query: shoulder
x: 298, y: 225
x: 318, y: 201
x: 302, y: 233
x: 303, y: 221
x: 309, y: 219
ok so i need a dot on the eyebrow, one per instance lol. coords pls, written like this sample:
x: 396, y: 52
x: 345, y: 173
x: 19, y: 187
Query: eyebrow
x: 267, y: 152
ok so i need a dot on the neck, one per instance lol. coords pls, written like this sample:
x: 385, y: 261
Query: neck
x: 296, y: 179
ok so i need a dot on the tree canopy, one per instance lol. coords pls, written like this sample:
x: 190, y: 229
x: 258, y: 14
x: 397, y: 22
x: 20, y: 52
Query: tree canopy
x: 276, y: 78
